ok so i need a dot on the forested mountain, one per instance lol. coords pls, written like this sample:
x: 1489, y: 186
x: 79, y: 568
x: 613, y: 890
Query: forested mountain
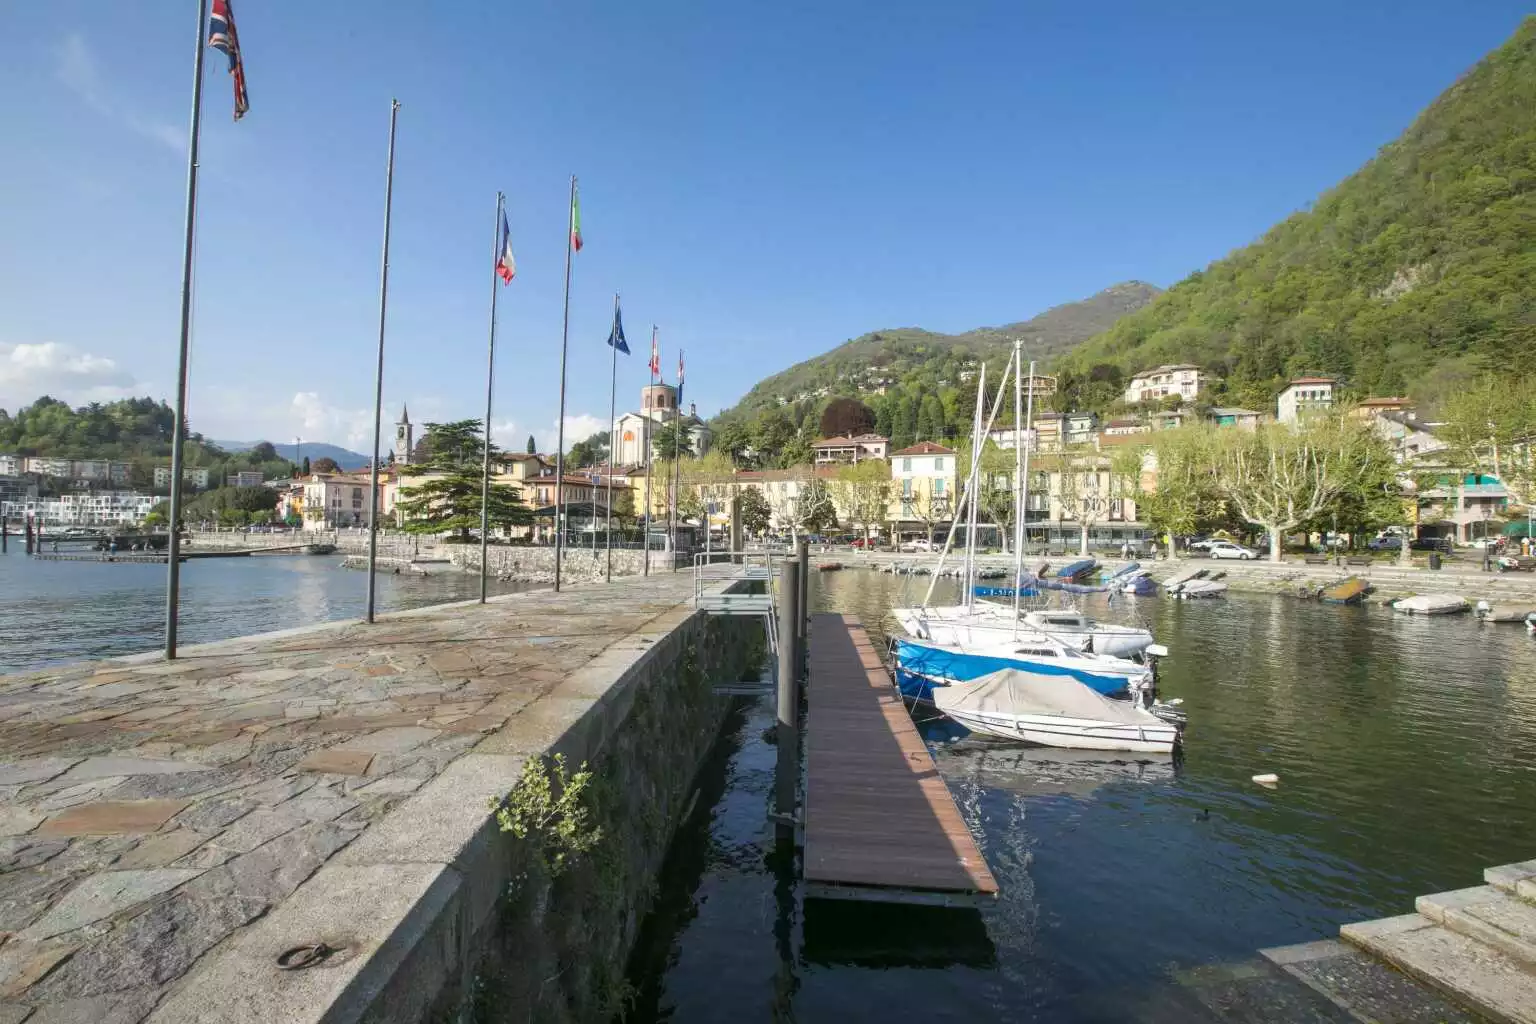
x: 314, y: 451
x: 1411, y: 275
x: 917, y: 363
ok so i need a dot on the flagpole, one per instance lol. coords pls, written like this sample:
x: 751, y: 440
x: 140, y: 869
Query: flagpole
x: 173, y: 561
x: 646, y: 430
x: 490, y: 377
x: 613, y: 386
x: 378, y: 378
x: 677, y: 461
x: 1018, y: 475
x: 565, y: 333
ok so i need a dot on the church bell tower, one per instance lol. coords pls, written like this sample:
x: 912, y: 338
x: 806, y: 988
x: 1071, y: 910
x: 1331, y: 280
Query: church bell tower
x: 404, y: 436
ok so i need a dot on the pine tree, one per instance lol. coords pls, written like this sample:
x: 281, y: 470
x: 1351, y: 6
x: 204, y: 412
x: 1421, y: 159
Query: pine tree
x: 533, y: 447
x: 448, y: 499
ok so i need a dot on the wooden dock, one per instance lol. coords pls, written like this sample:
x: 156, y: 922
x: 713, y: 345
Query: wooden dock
x: 879, y: 821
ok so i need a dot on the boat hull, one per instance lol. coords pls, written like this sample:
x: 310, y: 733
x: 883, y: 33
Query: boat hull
x: 1070, y: 733
x: 1431, y: 604
x: 1347, y: 591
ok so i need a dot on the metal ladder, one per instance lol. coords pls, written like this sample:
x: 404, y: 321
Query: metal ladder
x: 708, y: 573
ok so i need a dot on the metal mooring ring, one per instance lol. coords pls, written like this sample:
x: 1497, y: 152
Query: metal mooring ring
x: 300, y: 957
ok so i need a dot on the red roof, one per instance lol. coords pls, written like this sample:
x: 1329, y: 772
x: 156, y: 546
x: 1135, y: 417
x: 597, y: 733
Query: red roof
x: 924, y: 448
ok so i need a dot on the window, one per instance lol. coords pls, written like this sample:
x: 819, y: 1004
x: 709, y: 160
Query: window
x: 938, y: 487
x: 938, y: 464
x: 906, y: 465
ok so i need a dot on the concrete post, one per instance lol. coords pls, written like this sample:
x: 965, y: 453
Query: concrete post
x: 736, y: 523
x: 802, y: 558
x: 5, y: 534
x: 787, y: 773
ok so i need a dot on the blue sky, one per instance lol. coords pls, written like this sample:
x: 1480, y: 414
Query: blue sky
x: 763, y: 181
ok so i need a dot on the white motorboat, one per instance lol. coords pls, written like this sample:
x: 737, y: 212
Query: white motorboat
x: 1431, y: 604
x: 1530, y: 623
x: 1194, y: 588
x: 985, y: 622
x: 1054, y: 712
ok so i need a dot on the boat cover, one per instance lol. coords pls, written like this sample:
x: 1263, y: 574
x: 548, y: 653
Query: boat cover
x: 1018, y: 692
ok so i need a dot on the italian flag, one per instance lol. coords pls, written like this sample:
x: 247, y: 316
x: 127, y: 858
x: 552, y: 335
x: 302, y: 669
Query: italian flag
x: 575, y: 220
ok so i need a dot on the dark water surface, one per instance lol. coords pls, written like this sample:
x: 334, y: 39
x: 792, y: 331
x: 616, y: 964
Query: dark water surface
x: 1406, y: 750
x: 54, y: 612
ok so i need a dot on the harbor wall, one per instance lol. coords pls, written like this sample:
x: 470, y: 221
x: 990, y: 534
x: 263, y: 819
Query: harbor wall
x: 537, y: 564
x: 338, y: 786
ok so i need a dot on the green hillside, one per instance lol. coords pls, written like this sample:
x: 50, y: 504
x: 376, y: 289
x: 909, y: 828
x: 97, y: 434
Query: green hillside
x: 1414, y: 273
x: 922, y: 363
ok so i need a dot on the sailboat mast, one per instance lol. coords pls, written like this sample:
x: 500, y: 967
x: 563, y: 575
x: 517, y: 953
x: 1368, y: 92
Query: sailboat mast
x: 968, y: 577
x: 1018, y: 477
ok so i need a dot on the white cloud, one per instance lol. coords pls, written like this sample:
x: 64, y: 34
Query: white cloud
x: 28, y: 371
x: 77, y: 68
x: 512, y: 435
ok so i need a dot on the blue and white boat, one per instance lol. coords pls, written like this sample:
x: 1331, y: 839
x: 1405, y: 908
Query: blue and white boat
x: 922, y: 665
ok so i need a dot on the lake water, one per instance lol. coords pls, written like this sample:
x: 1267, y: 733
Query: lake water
x: 53, y: 612
x: 1406, y: 750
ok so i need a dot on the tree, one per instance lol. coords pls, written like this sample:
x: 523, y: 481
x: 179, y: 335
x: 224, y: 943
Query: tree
x: 532, y: 447
x: 1489, y: 428
x: 995, y: 485
x: 1185, y: 499
x: 669, y: 445
x: 589, y: 451
x: 306, y: 469
x: 846, y: 417
x: 448, y: 498
x: 732, y: 438
x: 863, y: 490
x: 755, y: 513
x: 325, y: 464
x: 624, y: 508
x: 1282, y: 476
x: 264, y: 452
x: 814, y: 511
x: 770, y: 434
x: 690, y: 507
x: 904, y: 423
x: 797, y: 452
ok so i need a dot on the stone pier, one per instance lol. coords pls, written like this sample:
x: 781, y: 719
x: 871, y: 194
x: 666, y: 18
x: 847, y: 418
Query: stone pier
x: 169, y: 830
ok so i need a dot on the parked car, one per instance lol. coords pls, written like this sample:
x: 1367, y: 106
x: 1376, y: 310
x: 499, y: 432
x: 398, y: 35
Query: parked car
x: 861, y: 542
x: 915, y: 546
x: 1200, y: 544
x: 1226, y: 549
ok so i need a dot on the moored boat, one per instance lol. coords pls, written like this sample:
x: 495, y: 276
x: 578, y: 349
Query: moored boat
x: 1140, y: 584
x: 1430, y: 604
x: 1502, y: 612
x: 1045, y: 710
x: 923, y: 666
x: 1194, y: 588
x: 1349, y: 590
x: 1076, y: 570
x: 986, y: 622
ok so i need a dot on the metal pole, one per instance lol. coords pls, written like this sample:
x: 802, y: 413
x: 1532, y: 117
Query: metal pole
x: 677, y: 459
x: 1018, y: 473
x: 803, y: 623
x: 173, y: 561
x: 613, y: 438
x: 645, y: 429
x: 565, y: 333
x: 490, y: 377
x: 378, y: 380
x: 786, y: 775
x: 1029, y: 420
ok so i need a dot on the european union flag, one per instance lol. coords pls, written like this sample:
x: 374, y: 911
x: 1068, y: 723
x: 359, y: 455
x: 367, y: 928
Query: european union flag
x: 616, y: 336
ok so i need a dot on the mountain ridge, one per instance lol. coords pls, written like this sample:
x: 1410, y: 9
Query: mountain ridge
x: 894, y: 354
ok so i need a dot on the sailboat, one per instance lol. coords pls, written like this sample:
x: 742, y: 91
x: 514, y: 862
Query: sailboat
x: 949, y: 644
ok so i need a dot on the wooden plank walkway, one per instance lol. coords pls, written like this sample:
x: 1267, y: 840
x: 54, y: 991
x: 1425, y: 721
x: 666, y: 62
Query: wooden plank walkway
x: 879, y: 821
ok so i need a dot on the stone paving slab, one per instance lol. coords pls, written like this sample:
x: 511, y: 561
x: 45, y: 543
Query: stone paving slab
x: 155, y: 814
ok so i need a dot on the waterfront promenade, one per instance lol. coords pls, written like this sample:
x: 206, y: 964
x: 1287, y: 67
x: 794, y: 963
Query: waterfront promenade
x: 167, y: 829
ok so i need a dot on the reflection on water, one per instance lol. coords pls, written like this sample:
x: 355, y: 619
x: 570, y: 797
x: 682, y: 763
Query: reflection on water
x: 1405, y: 749
x: 54, y: 612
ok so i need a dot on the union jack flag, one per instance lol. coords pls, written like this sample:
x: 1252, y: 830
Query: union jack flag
x: 223, y: 37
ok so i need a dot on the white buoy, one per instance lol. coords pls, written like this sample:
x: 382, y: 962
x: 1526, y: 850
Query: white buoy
x: 1267, y: 779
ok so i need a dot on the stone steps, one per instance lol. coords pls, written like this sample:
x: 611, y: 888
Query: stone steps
x: 1476, y: 945
x: 1489, y: 915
